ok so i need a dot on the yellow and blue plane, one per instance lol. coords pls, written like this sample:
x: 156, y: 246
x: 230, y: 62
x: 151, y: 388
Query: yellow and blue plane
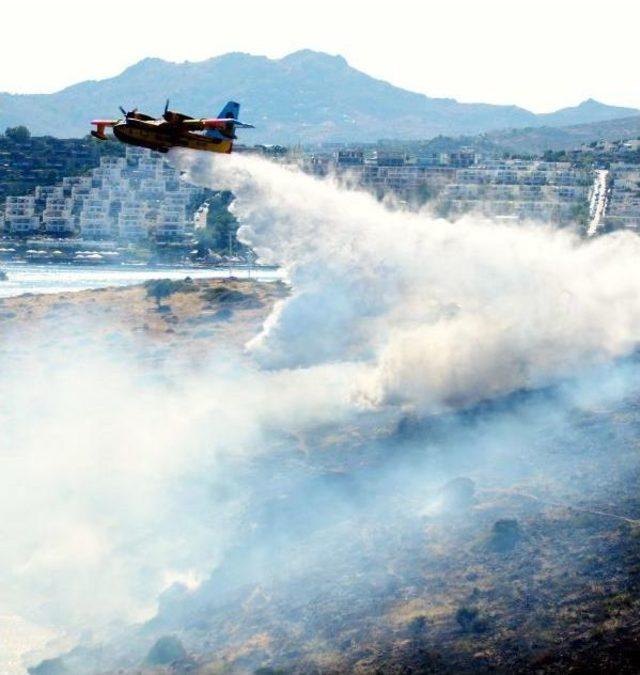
x: 174, y: 129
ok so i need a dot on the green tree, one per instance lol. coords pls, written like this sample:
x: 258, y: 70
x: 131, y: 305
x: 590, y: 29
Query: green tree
x: 221, y: 224
x: 159, y: 289
x: 19, y: 134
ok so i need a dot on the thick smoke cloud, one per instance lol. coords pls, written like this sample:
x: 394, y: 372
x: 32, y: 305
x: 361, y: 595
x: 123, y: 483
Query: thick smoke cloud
x: 447, y: 314
x: 122, y: 475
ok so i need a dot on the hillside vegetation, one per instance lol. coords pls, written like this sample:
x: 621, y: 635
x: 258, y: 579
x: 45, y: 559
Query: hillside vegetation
x: 538, y: 140
x: 27, y: 161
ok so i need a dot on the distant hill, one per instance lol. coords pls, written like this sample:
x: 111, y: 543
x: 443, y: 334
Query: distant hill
x: 537, y: 140
x: 587, y: 112
x: 305, y: 97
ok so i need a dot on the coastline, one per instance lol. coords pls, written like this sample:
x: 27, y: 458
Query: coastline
x: 33, y: 278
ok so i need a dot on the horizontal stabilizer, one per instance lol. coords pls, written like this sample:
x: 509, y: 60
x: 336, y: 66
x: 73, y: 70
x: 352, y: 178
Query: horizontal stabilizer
x: 101, y: 124
x: 223, y: 121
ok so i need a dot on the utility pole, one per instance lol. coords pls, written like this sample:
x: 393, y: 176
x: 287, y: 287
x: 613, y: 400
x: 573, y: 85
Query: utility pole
x: 250, y: 259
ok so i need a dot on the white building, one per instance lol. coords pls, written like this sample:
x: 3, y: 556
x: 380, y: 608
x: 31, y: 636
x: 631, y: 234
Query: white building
x: 78, y: 187
x: 126, y: 197
x: 110, y: 169
x: 518, y: 188
x: 172, y: 222
x: 151, y: 189
x: 95, y: 222
x: 20, y: 215
x: 133, y: 223
x: 56, y: 217
x: 43, y: 192
x: 623, y: 207
x: 22, y: 225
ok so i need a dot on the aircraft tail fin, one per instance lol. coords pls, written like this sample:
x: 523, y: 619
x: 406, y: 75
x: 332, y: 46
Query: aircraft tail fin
x: 226, y: 131
x: 224, y: 126
x: 232, y: 109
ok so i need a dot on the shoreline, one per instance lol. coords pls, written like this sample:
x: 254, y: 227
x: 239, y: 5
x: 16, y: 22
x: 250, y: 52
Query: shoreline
x: 83, y: 264
x: 22, y: 278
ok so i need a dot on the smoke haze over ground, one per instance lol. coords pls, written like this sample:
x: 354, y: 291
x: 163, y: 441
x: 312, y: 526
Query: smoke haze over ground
x: 397, y: 362
x: 121, y: 476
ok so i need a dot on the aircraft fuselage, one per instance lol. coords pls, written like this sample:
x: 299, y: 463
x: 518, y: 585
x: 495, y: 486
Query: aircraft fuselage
x: 145, y: 135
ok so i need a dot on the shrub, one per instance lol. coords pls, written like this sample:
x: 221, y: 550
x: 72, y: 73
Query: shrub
x: 505, y: 534
x: 417, y: 625
x: 225, y: 295
x: 158, y: 289
x: 470, y: 620
x: 166, y: 650
x: 465, y: 617
x: 49, y: 667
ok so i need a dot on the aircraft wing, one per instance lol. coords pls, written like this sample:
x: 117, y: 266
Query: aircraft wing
x: 214, y: 123
x: 159, y: 123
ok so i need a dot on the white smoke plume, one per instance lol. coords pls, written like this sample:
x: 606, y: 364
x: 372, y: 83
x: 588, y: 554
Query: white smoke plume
x: 447, y: 314
x: 120, y: 478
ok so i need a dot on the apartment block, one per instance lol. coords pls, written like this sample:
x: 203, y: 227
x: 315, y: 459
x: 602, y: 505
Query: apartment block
x: 623, y: 206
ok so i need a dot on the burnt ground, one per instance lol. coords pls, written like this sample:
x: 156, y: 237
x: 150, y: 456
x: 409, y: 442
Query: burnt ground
x: 364, y: 556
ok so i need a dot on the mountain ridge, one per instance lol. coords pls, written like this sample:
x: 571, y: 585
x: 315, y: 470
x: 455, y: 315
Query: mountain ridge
x: 306, y: 96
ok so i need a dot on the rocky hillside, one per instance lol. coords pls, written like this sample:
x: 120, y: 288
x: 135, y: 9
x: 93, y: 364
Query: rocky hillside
x: 539, y: 139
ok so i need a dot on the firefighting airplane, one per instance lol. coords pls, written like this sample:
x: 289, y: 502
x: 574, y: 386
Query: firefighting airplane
x: 175, y: 129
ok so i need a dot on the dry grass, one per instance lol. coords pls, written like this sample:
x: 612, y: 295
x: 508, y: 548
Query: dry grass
x: 187, y: 323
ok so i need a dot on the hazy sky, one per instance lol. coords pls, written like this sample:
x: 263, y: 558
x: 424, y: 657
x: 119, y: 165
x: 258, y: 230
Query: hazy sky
x: 540, y: 54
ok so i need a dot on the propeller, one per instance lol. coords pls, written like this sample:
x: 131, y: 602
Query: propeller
x: 165, y: 114
x: 125, y: 113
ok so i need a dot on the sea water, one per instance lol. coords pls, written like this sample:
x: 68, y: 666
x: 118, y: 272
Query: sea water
x: 28, y: 278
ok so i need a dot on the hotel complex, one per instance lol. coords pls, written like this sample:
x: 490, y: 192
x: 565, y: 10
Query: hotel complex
x: 135, y: 198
